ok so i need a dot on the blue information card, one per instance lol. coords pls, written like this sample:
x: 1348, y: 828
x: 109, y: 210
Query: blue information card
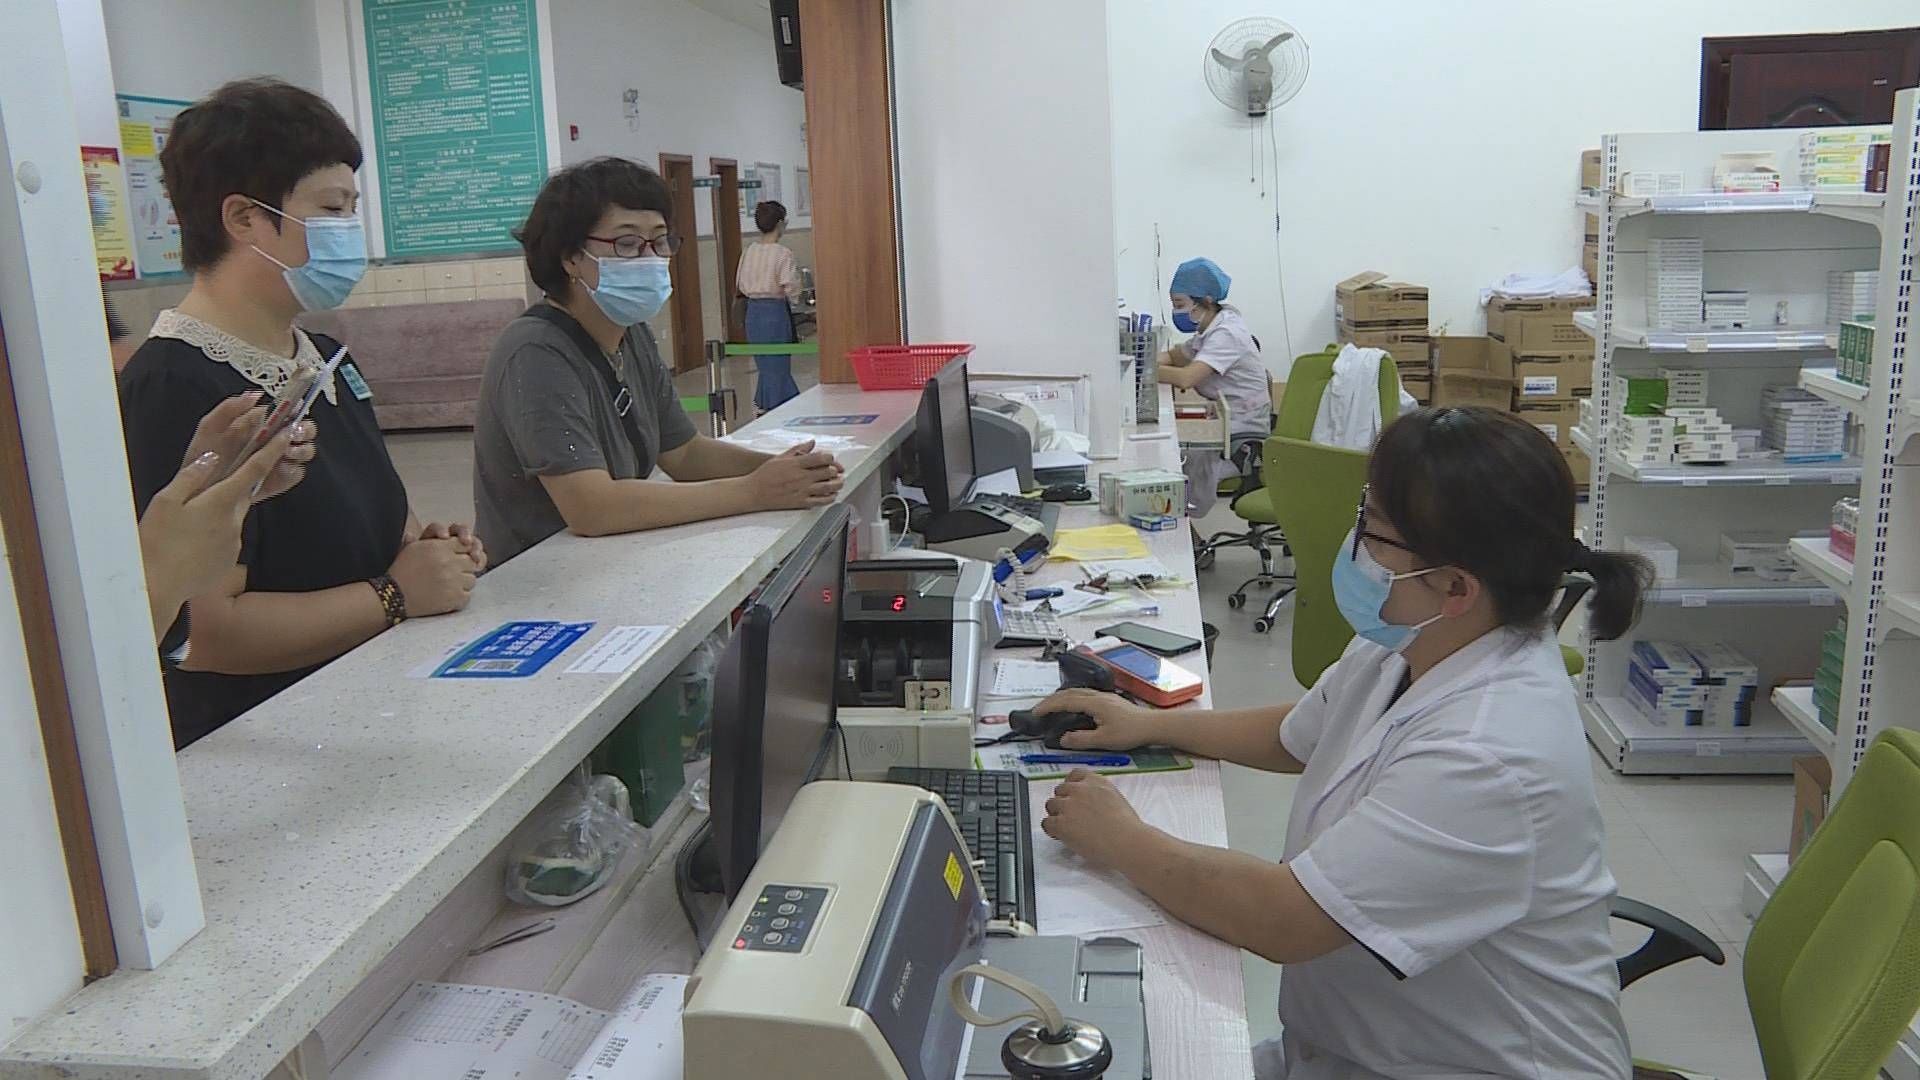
x: 849, y: 420
x: 512, y: 651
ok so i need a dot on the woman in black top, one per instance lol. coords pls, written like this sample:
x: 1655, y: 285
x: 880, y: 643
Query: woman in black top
x: 261, y: 178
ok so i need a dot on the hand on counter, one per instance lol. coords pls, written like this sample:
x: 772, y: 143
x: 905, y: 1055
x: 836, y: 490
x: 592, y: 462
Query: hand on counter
x: 435, y: 574
x: 799, y: 478
x: 1118, y: 723
x: 1089, y: 815
x: 462, y: 535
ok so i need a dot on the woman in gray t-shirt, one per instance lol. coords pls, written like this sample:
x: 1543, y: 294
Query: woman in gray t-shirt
x: 577, y: 411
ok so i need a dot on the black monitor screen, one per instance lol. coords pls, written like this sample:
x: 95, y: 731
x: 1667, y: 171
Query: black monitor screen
x: 773, y: 698
x: 944, y: 438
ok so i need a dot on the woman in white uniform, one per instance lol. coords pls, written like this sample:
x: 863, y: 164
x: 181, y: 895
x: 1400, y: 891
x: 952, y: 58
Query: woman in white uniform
x: 1221, y: 361
x: 1441, y: 908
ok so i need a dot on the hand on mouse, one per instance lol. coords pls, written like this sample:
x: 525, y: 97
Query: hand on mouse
x: 1118, y: 723
x: 1089, y: 815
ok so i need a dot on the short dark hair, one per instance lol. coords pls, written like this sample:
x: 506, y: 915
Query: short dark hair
x: 769, y: 216
x: 253, y: 137
x: 1485, y: 491
x: 572, y: 200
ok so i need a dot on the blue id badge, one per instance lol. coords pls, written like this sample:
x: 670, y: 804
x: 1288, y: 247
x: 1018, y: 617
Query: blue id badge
x: 361, y: 391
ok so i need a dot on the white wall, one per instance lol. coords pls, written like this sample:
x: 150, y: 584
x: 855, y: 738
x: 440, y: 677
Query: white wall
x: 708, y: 88
x: 1005, y: 178
x: 1436, y: 142
x: 182, y: 49
x: 39, y: 939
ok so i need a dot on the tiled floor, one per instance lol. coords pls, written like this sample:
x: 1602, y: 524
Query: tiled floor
x: 1679, y: 843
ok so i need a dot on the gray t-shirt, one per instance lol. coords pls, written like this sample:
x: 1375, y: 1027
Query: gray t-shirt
x: 545, y: 411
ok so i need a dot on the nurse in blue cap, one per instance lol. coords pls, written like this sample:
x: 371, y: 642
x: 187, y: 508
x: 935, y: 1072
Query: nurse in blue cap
x: 1221, y: 361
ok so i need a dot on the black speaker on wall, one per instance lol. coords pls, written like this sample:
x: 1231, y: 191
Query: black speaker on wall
x: 786, y: 41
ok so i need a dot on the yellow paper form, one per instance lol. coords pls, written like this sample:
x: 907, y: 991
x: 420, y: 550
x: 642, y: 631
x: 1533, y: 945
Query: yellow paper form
x: 1098, y: 542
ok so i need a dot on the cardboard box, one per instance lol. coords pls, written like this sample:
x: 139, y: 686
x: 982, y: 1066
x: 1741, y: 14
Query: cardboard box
x: 1501, y: 308
x: 1580, y: 463
x: 1471, y: 371
x: 1420, y: 386
x: 1593, y: 173
x: 1552, y: 379
x: 1555, y: 419
x: 1367, y: 300
x: 1407, y: 346
x: 1552, y: 333
x: 1812, y: 789
x: 1592, y: 233
x: 1590, y: 261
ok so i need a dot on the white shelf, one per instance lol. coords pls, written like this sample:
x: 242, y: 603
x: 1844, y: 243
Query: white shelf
x: 1773, y: 339
x: 1711, y: 585
x: 1902, y: 611
x: 1764, y: 874
x: 1796, y: 704
x: 1863, y: 206
x: 1758, y: 473
x: 1631, y: 743
x: 1816, y: 554
x: 1826, y: 384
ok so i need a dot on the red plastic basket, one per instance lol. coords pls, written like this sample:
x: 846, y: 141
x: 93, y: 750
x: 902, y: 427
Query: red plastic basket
x: 902, y: 367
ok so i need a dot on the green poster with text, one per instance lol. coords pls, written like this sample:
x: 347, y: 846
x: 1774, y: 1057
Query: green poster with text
x: 459, y: 134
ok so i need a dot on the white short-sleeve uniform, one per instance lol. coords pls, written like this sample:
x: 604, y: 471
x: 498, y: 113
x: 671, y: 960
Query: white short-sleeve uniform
x: 1238, y: 376
x: 1456, y: 836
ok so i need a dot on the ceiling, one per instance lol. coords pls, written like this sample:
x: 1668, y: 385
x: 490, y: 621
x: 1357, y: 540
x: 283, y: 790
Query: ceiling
x: 752, y: 14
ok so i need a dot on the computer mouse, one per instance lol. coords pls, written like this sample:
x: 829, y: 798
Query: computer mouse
x: 1049, y: 727
x: 1067, y: 493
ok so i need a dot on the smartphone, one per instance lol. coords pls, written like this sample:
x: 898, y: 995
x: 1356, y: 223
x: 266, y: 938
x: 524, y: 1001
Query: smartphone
x: 291, y: 408
x: 1144, y: 675
x: 1151, y: 638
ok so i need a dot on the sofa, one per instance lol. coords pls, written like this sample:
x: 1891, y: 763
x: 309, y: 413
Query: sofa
x: 423, y: 361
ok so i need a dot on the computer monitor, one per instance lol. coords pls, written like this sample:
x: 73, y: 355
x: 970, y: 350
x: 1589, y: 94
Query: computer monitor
x: 943, y: 438
x: 773, y: 704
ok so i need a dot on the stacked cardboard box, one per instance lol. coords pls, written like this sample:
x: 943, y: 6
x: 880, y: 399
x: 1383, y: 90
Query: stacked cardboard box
x: 1471, y: 371
x: 1551, y: 358
x: 1855, y: 352
x: 1838, y: 160
x: 1851, y: 295
x: 1676, y: 268
x: 1375, y: 313
x: 1802, y: 426
x: 1593, y: 171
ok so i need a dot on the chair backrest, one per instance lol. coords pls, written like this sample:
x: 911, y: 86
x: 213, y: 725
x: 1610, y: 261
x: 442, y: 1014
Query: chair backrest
x: 1833, y: 964
x: 1307, y: 383
x: 1314, y: 490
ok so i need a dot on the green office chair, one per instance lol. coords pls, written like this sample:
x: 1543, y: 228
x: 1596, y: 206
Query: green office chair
x: 1833, y: 963
x: 1314, y: 490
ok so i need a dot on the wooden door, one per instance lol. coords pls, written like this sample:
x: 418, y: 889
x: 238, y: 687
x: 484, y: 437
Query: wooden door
x: 1805, y: 80
x: 689, y: 333
x: 726, y: 237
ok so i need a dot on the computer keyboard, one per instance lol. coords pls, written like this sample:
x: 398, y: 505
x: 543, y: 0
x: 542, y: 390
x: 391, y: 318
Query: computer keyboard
x: 1018, y: 628
x: 991, y: 808
x: 1033, y: 508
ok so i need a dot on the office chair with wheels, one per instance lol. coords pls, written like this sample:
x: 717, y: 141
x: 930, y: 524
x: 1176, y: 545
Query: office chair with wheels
x: 1833, y: 963
x: 1307, y: 484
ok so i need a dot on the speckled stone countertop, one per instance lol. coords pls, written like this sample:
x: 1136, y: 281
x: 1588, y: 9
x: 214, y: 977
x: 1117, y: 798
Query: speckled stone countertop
x: 327, y: 822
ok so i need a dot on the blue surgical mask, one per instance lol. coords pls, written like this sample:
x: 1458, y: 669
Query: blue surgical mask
x: 336, y: 260
x: 631, y: 291
x: 1183, y: 322
x: 1360, y: 590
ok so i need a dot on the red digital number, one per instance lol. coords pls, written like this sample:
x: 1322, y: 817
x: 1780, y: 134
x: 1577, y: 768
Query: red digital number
x: 900, y: 603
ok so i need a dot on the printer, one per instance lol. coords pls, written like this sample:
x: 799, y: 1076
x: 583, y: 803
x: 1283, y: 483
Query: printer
x: 1004, y: 431
x: 913, y: 630
x: 838, y: 958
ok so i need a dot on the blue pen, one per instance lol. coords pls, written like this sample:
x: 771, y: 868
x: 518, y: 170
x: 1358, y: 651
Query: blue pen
x: 1045, y: 594
x: 1096, y: 761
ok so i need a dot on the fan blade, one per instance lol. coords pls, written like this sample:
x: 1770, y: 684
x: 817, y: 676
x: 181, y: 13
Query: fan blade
x: 1278, y: 40
x: 1226, y: 61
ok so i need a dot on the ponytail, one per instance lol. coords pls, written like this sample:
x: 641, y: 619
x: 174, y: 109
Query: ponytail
x: 1620, y: 583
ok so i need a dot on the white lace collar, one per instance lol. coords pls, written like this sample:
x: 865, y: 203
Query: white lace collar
x: 266, y: 370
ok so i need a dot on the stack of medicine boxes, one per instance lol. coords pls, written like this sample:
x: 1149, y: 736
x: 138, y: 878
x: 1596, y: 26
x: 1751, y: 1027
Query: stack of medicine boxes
x: 1708, y: 685
x: 1676, y: 268
x: 1855, y: 363
x: 1826, y: 678
x: 1851, y: 294
x: 1643, y: 434
x: 1837, y: 160
x: 1700, y: 436
x: 1803, y: 427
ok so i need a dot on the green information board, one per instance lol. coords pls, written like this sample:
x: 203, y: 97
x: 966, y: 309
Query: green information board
x: 459, y: 135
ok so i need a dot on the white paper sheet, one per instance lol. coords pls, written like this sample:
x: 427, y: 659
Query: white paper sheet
x: 1024, y: 678
x: 1131, y: 568
x: 1058, y: 459
x: 642, y: 1039
x: 619, y: 650
x: 1004, y: 482
x: 910, y: 493
x: 1076, y: 898
x: 1071, y: 602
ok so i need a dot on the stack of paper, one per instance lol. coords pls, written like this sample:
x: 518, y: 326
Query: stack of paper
x: 1676, y: 268
x: 1800, y: 424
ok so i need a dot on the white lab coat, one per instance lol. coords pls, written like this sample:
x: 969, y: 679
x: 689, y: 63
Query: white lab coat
x: 1457, y: 837
x: 1349, y: 413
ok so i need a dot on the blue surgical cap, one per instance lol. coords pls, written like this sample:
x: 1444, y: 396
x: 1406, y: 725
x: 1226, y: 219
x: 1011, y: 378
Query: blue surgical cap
x: 1201, y: 277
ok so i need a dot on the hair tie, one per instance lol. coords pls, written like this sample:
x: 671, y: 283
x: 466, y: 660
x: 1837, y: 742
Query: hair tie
x: 1581, y: 557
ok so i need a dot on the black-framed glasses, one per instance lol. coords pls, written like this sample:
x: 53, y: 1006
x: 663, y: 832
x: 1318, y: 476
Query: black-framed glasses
x: 632, y: 247
x: 1360, y: 529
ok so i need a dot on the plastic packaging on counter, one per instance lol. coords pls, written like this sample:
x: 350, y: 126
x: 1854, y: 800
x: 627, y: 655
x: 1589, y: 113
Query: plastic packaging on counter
x: 575, y: 840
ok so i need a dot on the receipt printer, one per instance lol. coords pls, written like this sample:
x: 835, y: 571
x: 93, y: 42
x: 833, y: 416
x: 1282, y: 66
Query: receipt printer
x: 835, y: 958
x: 1004, y: 431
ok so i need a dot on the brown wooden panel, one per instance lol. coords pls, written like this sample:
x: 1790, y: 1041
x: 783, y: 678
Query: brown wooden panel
x: 47, y: 672
x: 689, y: 330
x: 856, y: 252
x: 726, y: 232
x: 1805, y: 80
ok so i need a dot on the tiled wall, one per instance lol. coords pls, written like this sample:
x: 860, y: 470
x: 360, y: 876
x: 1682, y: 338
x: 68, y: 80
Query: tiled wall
x: 443, y: 282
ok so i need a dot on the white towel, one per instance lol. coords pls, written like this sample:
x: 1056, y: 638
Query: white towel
x: 1349, y: 413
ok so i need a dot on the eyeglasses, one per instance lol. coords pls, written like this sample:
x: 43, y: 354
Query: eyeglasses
x: 632, y: 247
x: 1360, y: 529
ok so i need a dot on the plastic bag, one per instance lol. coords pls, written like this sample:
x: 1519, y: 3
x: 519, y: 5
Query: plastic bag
x: 574, y: 841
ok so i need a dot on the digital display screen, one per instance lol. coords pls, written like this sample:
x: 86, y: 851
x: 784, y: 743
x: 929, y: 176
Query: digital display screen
x: 894, y: 602
x: 1135, y: 661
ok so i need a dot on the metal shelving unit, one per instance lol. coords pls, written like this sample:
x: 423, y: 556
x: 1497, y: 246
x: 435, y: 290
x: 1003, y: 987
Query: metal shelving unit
x: 1844, y: 473
x: 1790, y: 339
x: 1826, y: 384
x: 1796, y: 704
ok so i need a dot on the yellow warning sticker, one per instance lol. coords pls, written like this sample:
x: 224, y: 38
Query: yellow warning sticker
x: 953, y: 875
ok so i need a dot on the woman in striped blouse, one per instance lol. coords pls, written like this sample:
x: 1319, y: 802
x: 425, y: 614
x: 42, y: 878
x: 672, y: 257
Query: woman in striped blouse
x: 770, y: 282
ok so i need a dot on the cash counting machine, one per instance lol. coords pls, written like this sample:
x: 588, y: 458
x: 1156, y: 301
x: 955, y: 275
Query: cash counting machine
x: 840, y: 956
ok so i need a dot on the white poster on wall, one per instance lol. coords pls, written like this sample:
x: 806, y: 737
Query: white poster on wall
x: 802, y: 192
x: 769, y: 176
